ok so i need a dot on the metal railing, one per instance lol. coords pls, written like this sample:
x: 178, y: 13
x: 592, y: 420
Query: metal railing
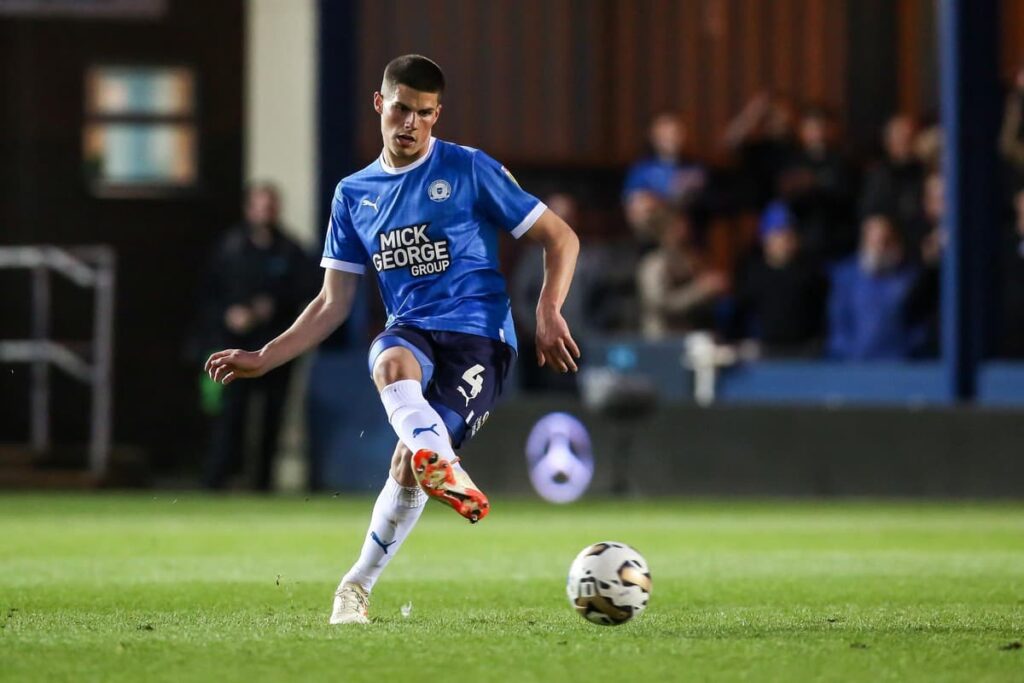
x: 87, y: 267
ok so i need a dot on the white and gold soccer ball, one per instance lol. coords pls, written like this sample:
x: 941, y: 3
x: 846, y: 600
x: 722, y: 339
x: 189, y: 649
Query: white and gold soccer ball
x: 609, y: 583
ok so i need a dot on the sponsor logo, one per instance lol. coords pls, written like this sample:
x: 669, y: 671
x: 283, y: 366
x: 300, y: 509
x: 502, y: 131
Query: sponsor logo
x: 419, y: 430
x: 367, y: 202
x: 439, y: 190
x: 410, y: 247
x: 478, y: 424
x: 383, y: 546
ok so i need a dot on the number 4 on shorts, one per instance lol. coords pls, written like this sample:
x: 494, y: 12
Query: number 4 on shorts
x: 475, y: 379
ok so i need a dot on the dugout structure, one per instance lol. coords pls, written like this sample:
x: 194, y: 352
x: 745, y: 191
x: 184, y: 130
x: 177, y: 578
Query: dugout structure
x: 90, y: 362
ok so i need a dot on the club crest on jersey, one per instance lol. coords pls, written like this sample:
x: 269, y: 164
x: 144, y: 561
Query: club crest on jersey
x: 410, y: 247
x: 439, y: 190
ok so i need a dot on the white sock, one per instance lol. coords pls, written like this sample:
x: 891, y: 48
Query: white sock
x: 395, y: 513
x: 414, y: 421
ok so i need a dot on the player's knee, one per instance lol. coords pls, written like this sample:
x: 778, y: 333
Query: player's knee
x: 394, y: 365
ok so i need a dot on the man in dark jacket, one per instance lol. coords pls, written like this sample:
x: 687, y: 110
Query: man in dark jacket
x: 816, y: 185
x: 783, y: 293
x: 895, y: 186
x: 257, y: 281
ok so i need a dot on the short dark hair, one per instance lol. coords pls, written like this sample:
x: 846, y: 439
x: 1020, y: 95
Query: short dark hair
x: 413, y: 71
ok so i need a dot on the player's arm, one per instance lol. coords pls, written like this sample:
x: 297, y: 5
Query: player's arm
x: 555, y: 345
x: 322, y: 316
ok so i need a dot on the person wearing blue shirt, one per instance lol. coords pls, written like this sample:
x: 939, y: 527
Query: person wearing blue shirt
x: 871, y: 295
x: 667, y: 174
x: 424, y: 217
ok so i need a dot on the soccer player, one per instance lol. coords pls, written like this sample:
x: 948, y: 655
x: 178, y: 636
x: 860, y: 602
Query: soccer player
x: 425, y: 216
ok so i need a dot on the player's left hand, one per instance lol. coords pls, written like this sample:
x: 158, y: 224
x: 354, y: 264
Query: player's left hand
x: 555, y: 345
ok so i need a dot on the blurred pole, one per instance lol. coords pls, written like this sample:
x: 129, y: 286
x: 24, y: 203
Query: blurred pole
x: 40, y: 402
x: 280, y: 84
x: 102, y: 363
x: 339, y: 105
x: 969, y: 89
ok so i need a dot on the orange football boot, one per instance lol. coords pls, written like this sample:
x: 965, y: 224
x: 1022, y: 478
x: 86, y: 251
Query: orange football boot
x: 453, y: 487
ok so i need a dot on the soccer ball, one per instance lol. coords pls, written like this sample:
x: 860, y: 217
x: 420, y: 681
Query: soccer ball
x: 609, y: 583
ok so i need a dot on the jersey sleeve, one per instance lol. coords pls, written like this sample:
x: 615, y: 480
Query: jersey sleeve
x: 342, y: 248
x: 501, y: 199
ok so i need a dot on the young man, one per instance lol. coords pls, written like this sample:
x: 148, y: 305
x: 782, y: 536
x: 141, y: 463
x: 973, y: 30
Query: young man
x: 425, y: 217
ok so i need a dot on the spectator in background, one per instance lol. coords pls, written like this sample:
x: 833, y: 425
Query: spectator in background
x: 816, y: 184
x: 646, y: 212
x: 257, y: 282
x: 783, y: 292
x: 923, y: 235
x: 669, y: 174
x: 931, y: 238
x: 1012, y: 336
x: 612, y: 304
x: 761, y: 140
x: 928, y: 144
x: 677, y: 290
x: 894, y: 186
x: 925, y: 244
x: 870, y: 297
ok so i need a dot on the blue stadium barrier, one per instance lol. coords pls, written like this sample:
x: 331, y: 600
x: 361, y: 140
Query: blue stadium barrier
x: 659, y: 361
x: 794, y: 382
x: 350, y: 440
x: 1000, y: 384
x: 808, y: 382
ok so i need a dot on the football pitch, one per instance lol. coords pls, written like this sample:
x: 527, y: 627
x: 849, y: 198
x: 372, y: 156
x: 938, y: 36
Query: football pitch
x: 188, y: 587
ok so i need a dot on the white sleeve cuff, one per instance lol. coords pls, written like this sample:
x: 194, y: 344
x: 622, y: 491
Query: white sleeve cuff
x: 530, y: 219
x: 345, y: 266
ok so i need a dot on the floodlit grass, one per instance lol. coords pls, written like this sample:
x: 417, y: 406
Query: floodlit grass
x: 187, y: 587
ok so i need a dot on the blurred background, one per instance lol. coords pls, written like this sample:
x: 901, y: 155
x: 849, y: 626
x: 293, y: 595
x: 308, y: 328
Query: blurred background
x: 802, y: 225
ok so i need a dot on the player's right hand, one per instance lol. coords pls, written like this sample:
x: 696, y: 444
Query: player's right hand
x: 230, y: 364
x: 555, y: 346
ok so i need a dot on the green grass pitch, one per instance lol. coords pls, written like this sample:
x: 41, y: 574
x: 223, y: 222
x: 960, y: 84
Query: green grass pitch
x: 185, y: 587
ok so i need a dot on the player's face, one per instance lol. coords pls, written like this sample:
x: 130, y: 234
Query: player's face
x: 406, y: 119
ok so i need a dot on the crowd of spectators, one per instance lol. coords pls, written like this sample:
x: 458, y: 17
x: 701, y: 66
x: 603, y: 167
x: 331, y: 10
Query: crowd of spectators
x: 844, y: 261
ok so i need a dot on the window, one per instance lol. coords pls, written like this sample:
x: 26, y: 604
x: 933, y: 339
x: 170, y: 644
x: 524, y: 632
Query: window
x: 140, y: 136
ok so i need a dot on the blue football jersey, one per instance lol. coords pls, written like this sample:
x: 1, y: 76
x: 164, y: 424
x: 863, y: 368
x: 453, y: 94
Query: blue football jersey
x: 430, y: 231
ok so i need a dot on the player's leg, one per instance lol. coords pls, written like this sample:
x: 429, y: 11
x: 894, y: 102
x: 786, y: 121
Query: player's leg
x: 398, y: 375
x: 469, y: 376
x: 402, y: 366
x: 395, y: 513
x: 397, y: 372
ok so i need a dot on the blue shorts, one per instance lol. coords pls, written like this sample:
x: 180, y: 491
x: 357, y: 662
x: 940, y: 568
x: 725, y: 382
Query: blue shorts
x: 463, y: 374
